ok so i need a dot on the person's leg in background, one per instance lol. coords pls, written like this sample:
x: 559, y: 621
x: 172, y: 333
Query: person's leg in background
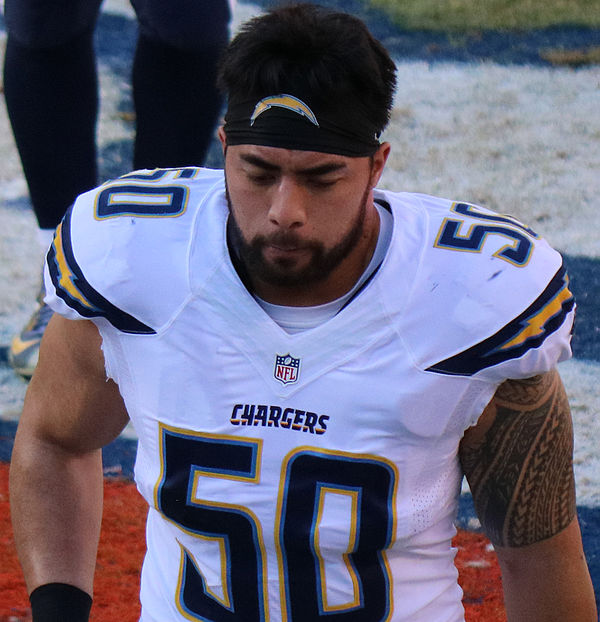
x: 177, y: 103
x: 50, y: 85
x: 51, y: 96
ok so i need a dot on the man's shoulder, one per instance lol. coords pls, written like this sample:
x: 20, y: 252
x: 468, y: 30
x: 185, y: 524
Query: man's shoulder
x: 488, y: 287
x: 151, y: 194
x: 130, y: 238
x: 464, y: 242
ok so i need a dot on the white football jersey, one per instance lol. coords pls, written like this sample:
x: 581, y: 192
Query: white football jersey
x: 310, y: 476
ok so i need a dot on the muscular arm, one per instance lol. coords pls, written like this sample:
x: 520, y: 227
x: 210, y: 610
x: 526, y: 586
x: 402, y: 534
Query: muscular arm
x: 70, y: 412
x: 518, y: 462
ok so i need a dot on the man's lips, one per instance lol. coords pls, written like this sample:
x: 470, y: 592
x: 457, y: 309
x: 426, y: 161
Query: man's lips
x: 283, y: 250
x: 279, y: 247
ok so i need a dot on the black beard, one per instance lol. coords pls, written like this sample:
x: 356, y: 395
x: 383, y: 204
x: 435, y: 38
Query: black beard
x: 282, y: 273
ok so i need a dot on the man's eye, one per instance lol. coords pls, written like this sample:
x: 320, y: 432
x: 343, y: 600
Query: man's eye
x: 321, y: 183
x: 261, y: 179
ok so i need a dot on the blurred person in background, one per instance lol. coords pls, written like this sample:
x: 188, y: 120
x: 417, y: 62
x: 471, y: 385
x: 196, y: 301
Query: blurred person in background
x: 51, y: 93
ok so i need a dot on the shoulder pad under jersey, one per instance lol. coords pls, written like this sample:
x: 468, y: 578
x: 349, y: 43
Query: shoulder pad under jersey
x: 121, y: 251
x: 490, y: 293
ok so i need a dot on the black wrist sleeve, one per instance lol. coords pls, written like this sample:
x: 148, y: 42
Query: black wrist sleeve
x: 59, y: 602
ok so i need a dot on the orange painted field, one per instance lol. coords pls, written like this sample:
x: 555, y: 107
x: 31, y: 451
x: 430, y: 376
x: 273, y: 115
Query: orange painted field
x: 122, y: 549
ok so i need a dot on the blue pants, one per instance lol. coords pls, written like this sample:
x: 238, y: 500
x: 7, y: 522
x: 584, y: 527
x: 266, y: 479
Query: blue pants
x: 187, y: 24
x: 51, y: 90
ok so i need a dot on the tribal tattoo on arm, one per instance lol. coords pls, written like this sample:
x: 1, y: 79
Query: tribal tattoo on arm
x: 518, y: 462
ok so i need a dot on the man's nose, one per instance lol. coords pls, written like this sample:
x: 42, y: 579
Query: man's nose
x: 288, y: 205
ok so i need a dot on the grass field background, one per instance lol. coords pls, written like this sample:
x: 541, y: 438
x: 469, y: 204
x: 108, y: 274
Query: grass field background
x: 466, y: 15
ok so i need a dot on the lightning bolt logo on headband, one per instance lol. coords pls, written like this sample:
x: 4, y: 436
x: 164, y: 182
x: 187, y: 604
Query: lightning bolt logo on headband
x: 289, y: 102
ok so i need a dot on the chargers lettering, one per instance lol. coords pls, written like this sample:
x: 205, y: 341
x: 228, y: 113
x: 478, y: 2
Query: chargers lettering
x: 277, y: 417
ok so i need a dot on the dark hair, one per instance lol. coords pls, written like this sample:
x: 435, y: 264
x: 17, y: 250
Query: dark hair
x: 309, y: 51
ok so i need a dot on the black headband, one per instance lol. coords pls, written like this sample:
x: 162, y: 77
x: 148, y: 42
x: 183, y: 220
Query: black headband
x: 288, y: 122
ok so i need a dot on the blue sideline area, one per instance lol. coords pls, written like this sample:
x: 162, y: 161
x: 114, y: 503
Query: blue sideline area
x: 119, y: 457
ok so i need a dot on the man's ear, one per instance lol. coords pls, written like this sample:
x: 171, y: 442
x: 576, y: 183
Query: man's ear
x: 222, y: 137
x: 379, y: 159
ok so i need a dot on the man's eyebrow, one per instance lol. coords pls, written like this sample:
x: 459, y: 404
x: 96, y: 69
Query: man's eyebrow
x: 259, y: 162
x: 320, y: 169
x: 323, y: 169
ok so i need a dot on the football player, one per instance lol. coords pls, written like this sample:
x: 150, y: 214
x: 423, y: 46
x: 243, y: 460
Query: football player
x: 311, y: 366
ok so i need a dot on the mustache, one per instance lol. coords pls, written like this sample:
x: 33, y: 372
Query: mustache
x: 282, y: 239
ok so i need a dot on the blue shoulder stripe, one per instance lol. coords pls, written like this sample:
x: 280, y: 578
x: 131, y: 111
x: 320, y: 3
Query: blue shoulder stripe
x: 72, y: 286
x: 527, y: 331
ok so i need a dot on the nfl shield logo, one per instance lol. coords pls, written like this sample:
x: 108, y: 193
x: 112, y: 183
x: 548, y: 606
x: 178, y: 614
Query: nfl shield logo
x: 287, y: 368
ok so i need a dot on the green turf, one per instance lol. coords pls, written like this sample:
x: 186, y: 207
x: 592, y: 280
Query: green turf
x: 470, y: 15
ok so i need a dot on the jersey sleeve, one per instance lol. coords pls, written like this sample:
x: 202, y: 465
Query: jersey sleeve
x: 121, y: 252
x: 494, y: 293
x: 68, y: 288
x: 533, y: 342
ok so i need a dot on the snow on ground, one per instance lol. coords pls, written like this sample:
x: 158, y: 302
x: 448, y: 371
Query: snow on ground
x: 521, y: 140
